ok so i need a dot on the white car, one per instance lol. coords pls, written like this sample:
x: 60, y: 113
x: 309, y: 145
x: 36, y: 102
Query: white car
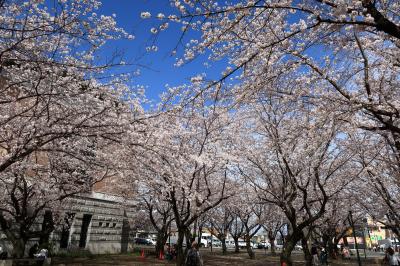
x: 151, y: 241
x: 242, y: 244
x: 230, y: 243
x: 215, y: 243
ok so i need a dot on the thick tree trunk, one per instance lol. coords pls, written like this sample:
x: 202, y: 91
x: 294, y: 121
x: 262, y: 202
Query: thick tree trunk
x: 345, y: 242
x: 162, y: 237
x: 286, y: 255
x: 236, y: 240
x: 250, y: 249
x: 272, y: 242
x: 189, y: 238
x: 18, y: 248
x: 307, y: 254
x: 335, y: 247
x: 331, y: 249
x: 180, y: 257
x: 325, y: 239
x: 14, y: 236
x: 223, y: 241
x: 200, y: 235
x: 329, y: 245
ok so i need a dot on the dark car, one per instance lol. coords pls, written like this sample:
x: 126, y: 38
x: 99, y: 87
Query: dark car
x: 142, y: 241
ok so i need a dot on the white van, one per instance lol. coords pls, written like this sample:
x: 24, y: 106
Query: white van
x: 204, y: 241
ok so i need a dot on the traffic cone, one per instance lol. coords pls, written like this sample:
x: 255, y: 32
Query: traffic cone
x: 142, y: 254
x: 161, y: 256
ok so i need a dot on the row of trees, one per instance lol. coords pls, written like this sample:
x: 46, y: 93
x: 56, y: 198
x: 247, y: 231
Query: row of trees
x: 301, y: 128
x: 311, y: 88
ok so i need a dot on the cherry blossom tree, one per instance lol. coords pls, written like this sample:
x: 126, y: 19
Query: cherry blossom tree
x: 60, y: 124
x: 346, y: 52
x: 380, y: 195
x: 273, y: 222
x: 296, y: 161
x: 187, y: 153
x: 220, y: 220
x: 161, y: 216
x: 252, y: 220
x: 348, y: 47
x: 236, y: 229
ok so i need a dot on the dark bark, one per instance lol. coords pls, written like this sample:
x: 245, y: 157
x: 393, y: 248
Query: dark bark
x: 162, y: 237
x: 236, y: 231
x: 236, y: 240
x: 345, y: 242
x: 222, y: 238
x: 307, y: 254
x: 224, y: 250
x: 162, y: 225
x: 184, y: 218
x: 189, y: 239
x: 199, y: 235
x: 249, y: 248
x: 291, y: 240
x: 286, y: 255
x: 382, y: 22
x: 18, y: 248
x: 271, y: 239
x: 181, y: 254
x: 332, y: 249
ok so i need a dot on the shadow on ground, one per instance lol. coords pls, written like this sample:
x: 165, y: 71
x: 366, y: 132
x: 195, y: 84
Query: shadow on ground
x: 210, y: 259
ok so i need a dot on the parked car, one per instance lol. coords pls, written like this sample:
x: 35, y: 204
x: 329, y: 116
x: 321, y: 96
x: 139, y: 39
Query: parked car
x: 262, y: 245
x: 215, y: 243
x: 242, y: 244
x: 230, y: 243
x: 143, y: 241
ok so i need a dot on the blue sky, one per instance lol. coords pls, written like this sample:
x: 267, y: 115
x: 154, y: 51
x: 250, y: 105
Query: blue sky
x: 156, y: 68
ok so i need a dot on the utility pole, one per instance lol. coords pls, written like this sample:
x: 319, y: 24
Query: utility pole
x: 354, y: 235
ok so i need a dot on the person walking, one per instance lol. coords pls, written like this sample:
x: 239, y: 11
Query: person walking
x: 193, y: 257
x: 314, y: 254
x: 391, y: 258
x: 323, y: 257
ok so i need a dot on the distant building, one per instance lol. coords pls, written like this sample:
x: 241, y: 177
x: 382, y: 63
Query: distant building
x: 97, y: 222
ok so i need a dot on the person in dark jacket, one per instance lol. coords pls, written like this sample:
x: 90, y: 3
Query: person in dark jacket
x: 193, y: 257
x: 33, y: 250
